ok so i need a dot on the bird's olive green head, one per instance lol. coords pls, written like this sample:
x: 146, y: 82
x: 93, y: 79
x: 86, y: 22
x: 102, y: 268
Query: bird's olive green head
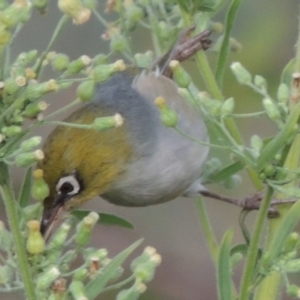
x: 80, y: 164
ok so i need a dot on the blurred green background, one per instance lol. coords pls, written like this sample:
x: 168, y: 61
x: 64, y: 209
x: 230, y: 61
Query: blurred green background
x: 267, y: 30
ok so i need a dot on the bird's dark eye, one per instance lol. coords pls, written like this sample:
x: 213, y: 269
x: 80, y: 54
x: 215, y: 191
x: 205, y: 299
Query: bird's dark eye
x: 66, y: 188
x: 68, y: 185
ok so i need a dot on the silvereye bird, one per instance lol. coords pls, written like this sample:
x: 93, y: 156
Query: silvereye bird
x: 138, y: 164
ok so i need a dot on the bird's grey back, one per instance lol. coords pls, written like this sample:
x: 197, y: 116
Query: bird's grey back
x: 167, y: 163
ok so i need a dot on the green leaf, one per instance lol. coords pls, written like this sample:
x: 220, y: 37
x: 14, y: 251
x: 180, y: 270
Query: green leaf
x: 25, y: 193
x: 225, y: 173
x: 290, y: 192
x: 97, y: 284
x: 224, y: 270
x: 286, y: 75
x: 280, y: 140
x: 239, y: 248
x: 105, y: 219
x: 286, y: 227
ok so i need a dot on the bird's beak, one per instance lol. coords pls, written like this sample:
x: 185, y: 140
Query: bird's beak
x: 51, y: 215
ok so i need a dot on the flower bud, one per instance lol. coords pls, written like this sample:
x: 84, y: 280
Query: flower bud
x: 79, y: 64
x: 35, y: 91
x: 30, y: 74
x: 260, y: 82
x: 256, y: 145
x: 271, y: 109
x: 84, y: 229
x: 60, y: 62
x: 39, y: 190
x: 168, y: 116
x: 31, y: 143
x: 14, y: 14
x: 216, y: 27
x: 103, y: 72
x: 25, y: 58
x: 144, y: 60
x: 76, y: 288
x: 144, y: 266
x: 21, y: 80
x: 104, y: 123
x: 182, y: 78
x: 60, y: 236
x: 45, y: 279
x: 64, y: 85
x: 292, y: 242
x: 242, y: 75
x: 32, y: 110
x: 227, y: 107
x: 118, y: 43
x: 133, y: 14
x: 86, y: 90
x: 10, y: 131
x: 292, y: 266
x: 293, y: 290
x: 164, y: 31
x: 10, y: 86
x: 90, y: 4
x: 40, y: 5
x: 283, y: 93
x: 100, y: 59
x: 75, y: 9
x: 132, y: 293
x: 80, y: 274
x: 26, y: 159
x: 35, y: 242
x: 269, y: 170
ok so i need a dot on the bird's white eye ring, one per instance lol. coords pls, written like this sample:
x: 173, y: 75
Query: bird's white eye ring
x: 68, y: 185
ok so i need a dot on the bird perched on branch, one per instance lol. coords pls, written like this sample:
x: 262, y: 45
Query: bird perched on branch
x: 139, y: 163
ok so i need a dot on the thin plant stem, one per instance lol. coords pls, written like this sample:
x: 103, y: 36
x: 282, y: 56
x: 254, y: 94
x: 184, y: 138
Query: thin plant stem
x: 63, y: 109
x: 155, y: 40
x: 249, y: 115
x: 8, y: 50
x: 214, y: 90
x: 56, y: 32
x: 207, y: 230
x: 252, y: 252
x: 100, y: 18
x: 226, y: 41
x: 269, y: 288
x: 120, y: 284
x: 13, y: 219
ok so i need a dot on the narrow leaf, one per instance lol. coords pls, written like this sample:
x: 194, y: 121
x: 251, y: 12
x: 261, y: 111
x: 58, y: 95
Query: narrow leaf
x: 225, y: 173
x: 105, y: 219
x: 97, y: 284
x: 286, y: 227
x: 224, y: 270
x: 280, y: 139
x: 286, y: 75
x: 24, y: 195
